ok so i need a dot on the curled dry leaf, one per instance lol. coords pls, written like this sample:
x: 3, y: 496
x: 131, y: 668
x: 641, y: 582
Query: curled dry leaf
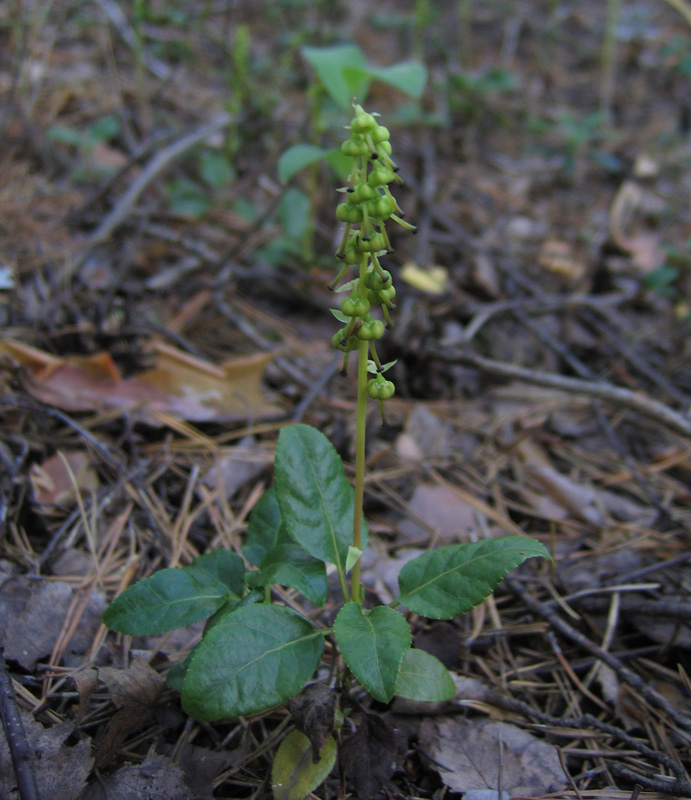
x: 54, y: 480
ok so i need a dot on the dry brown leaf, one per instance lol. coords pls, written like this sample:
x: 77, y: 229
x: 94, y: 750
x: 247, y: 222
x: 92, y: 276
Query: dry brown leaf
x: 645, y: 248
x: 482, y: 754
x: 61, y: 770
x: 580, y: 500
x: 442, y: 510
x: 52, y: 481
x: 32, y: 615
x: 180, y: 385
x: 135, y: 692
x: 558, y: 257
x: 156, y: 778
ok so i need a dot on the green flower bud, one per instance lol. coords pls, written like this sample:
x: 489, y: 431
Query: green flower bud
x: 380, y: 134
x: 362, y: 193
x: 381, y: 176
x: 340, y: 342
x: 374, y: 244
x: 363, y: 122
x: 380, y: 389
x: 370, y: 329
x: 376, y: 282
x: 381, y: 208
x: 355, y: 306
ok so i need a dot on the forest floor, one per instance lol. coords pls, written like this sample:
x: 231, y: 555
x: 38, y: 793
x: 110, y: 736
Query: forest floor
x: 164, y: 313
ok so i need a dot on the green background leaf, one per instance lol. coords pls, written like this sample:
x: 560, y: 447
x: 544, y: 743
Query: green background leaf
x: 252, y: 659
x: 174, y: 598
x: 372, y: 644
x: 451, y: 580
x: 294, y: 775
x: 424, y: 677
x: 329, y: 63
x: 298, y: 157
x: 409, y: 77
x: 314, y: 495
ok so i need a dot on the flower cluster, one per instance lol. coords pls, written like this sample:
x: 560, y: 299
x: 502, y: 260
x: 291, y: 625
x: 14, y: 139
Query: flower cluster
x: 368, y: 205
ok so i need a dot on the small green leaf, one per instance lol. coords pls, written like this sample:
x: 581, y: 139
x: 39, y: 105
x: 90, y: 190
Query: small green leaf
x: 264, y: 529
x: 424, y: 677
x: 174, y: 598
x: 340, y: 316
x: 354, y: 554
x: 297, y: 158
x: 329, y: 63
x: 372, y: 644
x: 252, y: 659
x: 293, y: 774
x: 188, y: 198
x: 215, y: 170
x: 314, y: 495
x: 449, y: 581
x: 290, y: 565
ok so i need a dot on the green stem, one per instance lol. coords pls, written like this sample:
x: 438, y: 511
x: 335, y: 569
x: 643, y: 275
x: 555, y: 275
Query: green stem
x: 360, y: 431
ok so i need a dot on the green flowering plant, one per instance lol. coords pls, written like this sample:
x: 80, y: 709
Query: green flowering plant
x: 257, y: 651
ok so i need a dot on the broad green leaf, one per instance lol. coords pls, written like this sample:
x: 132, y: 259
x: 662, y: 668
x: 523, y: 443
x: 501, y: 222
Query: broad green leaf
x: 290, y: 565
x: 409, y: 77
x: 174, y: 598
x: 252, y: 659
x: 225, y: 566
x: 314, y: 495
x: 372, y: 644
x: 293, y: 774
x: 297, y: 158
x: 451, y: 580
x: 354, y: 554
x: 176, y: 674
x: 424, y: 677
x: 329, y: 63
x: 263, y: 531
x: 341, y: 164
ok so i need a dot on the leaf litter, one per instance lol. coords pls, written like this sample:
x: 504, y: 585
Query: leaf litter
x: 162, y: 369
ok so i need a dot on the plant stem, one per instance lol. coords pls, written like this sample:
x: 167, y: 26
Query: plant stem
x: 356, y: 587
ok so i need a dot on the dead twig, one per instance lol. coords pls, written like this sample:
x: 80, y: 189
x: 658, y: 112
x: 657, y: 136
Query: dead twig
x: 605, y: 391
x: 17, y: 742
x: 627, y: 675
x: 125, y: 204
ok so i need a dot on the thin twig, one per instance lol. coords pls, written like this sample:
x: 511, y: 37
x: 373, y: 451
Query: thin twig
x: 123, y: 208
x: 20, y: 751
x: 627, y: 675
x: 605, y: 391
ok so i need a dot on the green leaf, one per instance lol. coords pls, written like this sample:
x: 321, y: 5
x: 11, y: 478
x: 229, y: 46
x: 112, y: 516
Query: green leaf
x: 188, y: 198
x: 329, y: 64
x: 372, y: 644
x: 297, y: 158
x: 224, y: 566
x: 354, y: 554
x: 174, y: 598
x: 409, y: 77
x: 290, y: 565
x: 451, y: 580
x: 252, y: 659
x: 294, y: 213
x: 293, y: 774
x: 341, y: 164
x: 176, y: 674
x: 424, y: 677
x: 314, y: 495
x: 215, y: 170
x: 264, y: 529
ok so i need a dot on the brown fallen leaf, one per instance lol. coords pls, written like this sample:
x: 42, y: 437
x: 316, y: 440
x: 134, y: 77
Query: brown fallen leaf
x: 52, y: 480
x: 134, y: 691
x: 32, y: 616
x: 645, y: 248
x: 61, y: 770
x: 314, y: 712
x: 476, y: 754
x: 369, y: 757
x: 155, y: 779
x: 180, y: 384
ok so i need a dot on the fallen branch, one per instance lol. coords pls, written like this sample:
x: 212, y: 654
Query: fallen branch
x: 605, y: 391
x: 17, y: 743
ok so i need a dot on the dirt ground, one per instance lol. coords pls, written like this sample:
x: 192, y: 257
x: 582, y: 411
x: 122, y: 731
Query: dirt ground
x: 164, y: 313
